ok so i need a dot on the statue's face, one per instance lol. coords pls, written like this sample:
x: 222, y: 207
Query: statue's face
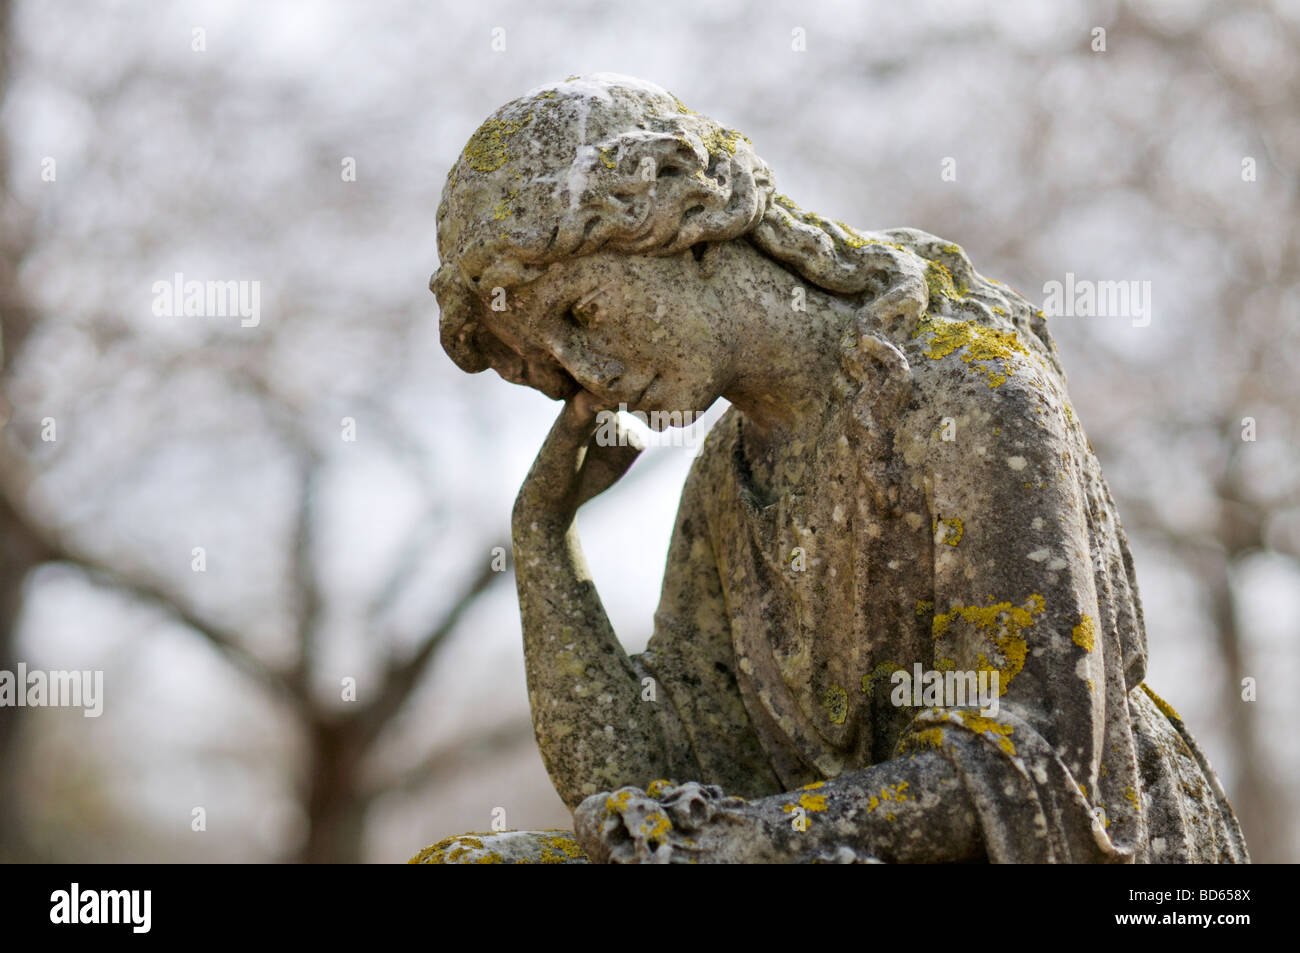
x: 649, y: 332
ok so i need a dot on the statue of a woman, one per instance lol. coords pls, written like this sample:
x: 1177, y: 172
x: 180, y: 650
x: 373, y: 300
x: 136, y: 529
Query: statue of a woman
x: 899, y: 620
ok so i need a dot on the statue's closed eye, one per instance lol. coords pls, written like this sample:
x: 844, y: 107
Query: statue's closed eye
x: 588, y: 312
x: 586, y: 315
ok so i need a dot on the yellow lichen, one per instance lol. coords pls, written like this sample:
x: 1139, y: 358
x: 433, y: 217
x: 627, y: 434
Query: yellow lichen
x: 1004, y: 623
x: 453, y: 850
x: 811, y: 803
x: 1085, y: 633
x: 884, y: 668
x: 618, y: 801
x: 852, y: 238
x: 978, y: 343
x: 836, y: 703
x: 954, y: 527
x: 486, y: 151
x: 1164, y: 706
x: 894, y: 793
x: 926, y: 738
x: 718, y: 140
x: 561, y: 848
x: 982, y: 726
x: 655, y: 825
x: 940, y: 281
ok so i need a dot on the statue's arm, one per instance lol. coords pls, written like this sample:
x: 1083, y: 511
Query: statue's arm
x: 593, y: 730
x: 912, y: 809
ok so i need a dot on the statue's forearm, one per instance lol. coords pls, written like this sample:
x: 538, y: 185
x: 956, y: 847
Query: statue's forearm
x: 878, y: 811
x: 909, y: 810
x: 592, y: 728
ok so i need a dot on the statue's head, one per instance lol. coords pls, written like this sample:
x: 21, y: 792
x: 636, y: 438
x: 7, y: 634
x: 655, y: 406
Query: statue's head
x: 576, y: 232
x: 581, y: 176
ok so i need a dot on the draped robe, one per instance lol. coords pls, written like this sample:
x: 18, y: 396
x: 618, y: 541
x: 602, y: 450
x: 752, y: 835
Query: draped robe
x: 965, y: 526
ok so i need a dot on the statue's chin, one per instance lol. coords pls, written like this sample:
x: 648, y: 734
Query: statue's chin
x: 555, y: 383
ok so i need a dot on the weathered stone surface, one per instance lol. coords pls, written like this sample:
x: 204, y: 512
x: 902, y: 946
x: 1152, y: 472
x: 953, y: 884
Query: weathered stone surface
x: 900, y: 488
x: 505, y: 847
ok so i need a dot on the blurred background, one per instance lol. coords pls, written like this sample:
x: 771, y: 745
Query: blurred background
x: 141, y: 140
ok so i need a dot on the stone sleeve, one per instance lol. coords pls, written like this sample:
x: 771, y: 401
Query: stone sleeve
x: 693, y: 662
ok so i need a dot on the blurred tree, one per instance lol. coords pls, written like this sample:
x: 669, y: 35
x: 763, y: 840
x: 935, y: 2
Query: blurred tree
x: 336, y: 786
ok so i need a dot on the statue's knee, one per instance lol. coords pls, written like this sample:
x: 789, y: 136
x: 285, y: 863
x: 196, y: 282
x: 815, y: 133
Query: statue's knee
x: 505, y: 847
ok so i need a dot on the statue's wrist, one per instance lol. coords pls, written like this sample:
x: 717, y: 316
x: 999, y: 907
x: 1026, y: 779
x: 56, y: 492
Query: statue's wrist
x: 533, y: 523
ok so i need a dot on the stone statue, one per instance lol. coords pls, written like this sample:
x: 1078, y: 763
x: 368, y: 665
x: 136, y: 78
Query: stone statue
x: 899, y: 621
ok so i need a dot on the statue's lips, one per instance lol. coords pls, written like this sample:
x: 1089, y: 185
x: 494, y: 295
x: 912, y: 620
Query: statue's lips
x: 611, y: 401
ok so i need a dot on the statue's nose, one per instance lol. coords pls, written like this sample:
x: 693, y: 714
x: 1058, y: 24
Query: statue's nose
x: 433, y: 277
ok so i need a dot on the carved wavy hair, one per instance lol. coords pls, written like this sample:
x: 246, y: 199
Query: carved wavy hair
x: 607, y: 162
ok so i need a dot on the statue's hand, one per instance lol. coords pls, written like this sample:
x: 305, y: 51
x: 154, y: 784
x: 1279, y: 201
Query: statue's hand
x: 672, y: 824
x: 574, y: 464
